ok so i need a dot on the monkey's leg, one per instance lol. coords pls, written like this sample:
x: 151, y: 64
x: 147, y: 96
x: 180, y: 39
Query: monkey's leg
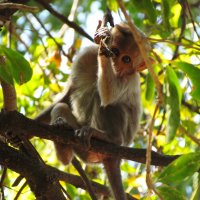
x: 62, y: 115
x: 112, y: 168
x: 111, y: 165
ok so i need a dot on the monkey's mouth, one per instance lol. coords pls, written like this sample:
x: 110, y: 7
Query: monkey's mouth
x: 141, y: 67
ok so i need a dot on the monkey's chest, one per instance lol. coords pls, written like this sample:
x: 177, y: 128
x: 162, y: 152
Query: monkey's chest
x: 114, y: 120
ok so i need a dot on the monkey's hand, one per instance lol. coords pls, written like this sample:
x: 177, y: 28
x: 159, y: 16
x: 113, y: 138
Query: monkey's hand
x: 85, y: 134
x: 60, y: 122
x: 103, y: 37
x: 102, y: 33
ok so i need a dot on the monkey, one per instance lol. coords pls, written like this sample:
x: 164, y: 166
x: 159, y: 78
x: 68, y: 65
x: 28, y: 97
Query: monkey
x: 104, y: 96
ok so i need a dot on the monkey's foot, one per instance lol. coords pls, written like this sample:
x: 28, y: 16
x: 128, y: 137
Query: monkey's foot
x: 60, y: 122
x: 13, y: 139
x: 85, y: 134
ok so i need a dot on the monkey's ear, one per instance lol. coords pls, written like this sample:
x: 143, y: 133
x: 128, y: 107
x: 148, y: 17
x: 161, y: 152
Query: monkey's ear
x: 142, y: 66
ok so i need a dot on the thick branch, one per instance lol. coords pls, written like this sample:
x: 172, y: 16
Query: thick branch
x: 43, y: 178
x: 8, y: 12
x: 37, y: 175
x: 78, y: 182
x: 19, y: 124
x: 18, y: 6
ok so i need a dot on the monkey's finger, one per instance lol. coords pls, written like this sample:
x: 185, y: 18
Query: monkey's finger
x: 103, y: 29
x: 96, y: 38
x: 99, y: 24
x: 101, y: 34
x: 85, y: 134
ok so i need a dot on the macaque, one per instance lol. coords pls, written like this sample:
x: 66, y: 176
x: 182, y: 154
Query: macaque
x: 105, y: 96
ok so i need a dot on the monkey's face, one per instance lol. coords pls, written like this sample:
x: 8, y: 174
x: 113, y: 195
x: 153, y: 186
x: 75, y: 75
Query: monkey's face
x: 127, y: 59
x: 126, y: 62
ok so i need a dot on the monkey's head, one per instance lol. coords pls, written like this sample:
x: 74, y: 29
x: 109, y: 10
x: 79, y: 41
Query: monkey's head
x: 127, y: 59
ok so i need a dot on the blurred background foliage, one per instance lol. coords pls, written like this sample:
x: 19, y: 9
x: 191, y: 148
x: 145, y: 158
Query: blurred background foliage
x: 173, y: 28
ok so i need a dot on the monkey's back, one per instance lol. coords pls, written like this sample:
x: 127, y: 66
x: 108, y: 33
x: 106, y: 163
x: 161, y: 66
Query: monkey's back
x: 84, y: 77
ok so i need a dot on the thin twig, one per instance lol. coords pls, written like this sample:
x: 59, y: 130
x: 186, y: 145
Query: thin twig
x: 64, y: 19
x: 18, y: 7
x: 183, y: 26
x: 161, y: 124
x: 191, y: 18
x: 71, y: 17
x: 191, y: 107
x: 3, y: 176
x: 84, y: 177
x: 192, y: 137
x: 20, y: 190
x: 174, y: 43
x: 49, y: 34
x: 148, y: 154
x: 65, y: 192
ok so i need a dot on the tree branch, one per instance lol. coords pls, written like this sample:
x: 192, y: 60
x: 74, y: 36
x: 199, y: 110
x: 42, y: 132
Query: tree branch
x: 38, y: 176
x: 19, y: 124
x: 64, y: 19
x: 43, y: 179
x: 191, y: 107
x: 8, y: 12
x: 18, y: 6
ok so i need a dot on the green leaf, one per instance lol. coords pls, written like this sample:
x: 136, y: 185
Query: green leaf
x: 4, y: 70
x: 190, y: 125
x: 194, y: 74
x: 196, y: 189
x: 169, y: 193
x: 166, y: 13
x: 175, y: 15
x: 174, y: 102
x: 147, y: 7
x: 150, y: 86
x: 181, y: 168
x: 150, y: 10
x: 113, y: 5
x: 16, y: 65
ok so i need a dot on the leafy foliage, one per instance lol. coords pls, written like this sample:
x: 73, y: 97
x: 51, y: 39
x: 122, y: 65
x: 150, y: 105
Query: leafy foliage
x: 14, y: 66
x: 173, y: 29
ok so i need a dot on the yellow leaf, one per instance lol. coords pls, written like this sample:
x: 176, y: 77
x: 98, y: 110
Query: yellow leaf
x: 56, y: 58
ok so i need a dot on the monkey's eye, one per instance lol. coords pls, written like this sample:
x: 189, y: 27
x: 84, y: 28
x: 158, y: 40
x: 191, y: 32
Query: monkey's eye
x: 115, y: 51
x: 126, y: 59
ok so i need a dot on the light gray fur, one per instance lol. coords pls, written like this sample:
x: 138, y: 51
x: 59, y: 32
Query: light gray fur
x: 120, y: 117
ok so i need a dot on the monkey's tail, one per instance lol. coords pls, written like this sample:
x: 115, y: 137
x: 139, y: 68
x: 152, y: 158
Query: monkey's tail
x: 112, y: 168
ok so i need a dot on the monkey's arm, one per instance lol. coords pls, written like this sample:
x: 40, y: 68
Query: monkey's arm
x: 110, y: 87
